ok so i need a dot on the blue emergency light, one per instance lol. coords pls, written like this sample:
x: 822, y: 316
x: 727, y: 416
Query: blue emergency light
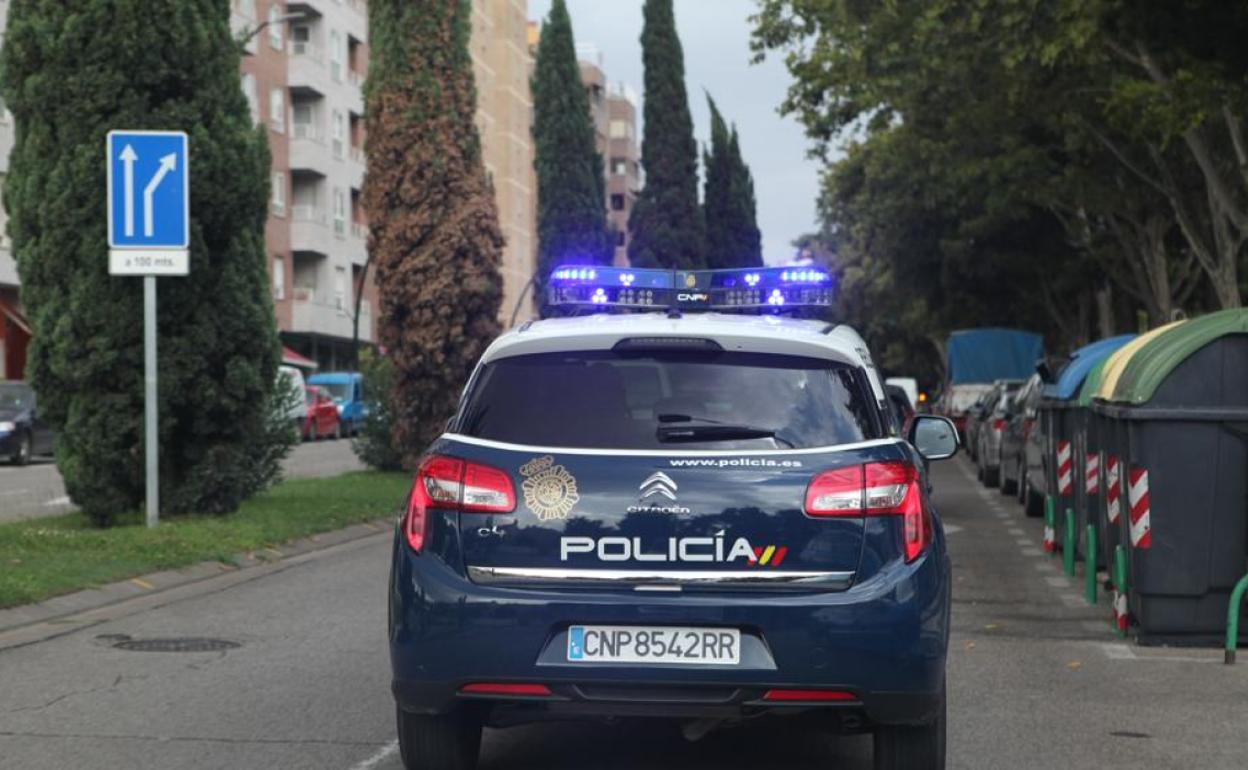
x: 766, y: 288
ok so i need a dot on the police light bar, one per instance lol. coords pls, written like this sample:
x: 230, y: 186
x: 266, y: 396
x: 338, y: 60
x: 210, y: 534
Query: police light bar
x: 765, y: 288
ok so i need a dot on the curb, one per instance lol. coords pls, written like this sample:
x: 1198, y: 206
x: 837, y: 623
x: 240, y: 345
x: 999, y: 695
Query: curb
x: 60, y: 615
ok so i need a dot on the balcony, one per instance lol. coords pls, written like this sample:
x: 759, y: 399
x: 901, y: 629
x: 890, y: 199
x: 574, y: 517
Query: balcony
x: 357, y: 244
x: 309, y: 229
x: 308, y: 151
x: 307, y: 74
x: 316, y: 312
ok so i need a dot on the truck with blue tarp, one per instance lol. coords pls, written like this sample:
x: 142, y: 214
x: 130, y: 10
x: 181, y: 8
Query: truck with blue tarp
x: 976, y: 358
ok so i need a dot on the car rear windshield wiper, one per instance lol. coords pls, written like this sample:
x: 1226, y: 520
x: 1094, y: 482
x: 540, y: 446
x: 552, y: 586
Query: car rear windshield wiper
x: 714, y: 431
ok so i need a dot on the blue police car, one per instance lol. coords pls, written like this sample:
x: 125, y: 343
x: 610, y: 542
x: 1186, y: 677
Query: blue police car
x: 700, y: 509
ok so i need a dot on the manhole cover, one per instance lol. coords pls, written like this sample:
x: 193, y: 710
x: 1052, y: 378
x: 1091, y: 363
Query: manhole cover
x: 186, y: 644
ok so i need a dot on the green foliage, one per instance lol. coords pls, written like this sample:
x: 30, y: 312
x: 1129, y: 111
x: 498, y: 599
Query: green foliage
x: 732, y: 235
x: 571, y: 209
x: 375, y: 445
x: 435, y: 237
x: 666, y: 221
x: 70, y: 74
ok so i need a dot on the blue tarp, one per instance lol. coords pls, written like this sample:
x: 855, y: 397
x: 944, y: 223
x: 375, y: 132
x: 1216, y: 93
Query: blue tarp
x: 1082, y: 361
x: 984, y: 355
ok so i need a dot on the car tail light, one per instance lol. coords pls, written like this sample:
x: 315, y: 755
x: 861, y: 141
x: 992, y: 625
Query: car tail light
x: 445, y: 482
x: 507, y: 689
x: 874, y: 489
x: 809, y: 696
x: 998, y: 425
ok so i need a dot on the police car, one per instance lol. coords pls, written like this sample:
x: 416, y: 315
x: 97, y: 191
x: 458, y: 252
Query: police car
x: 680, y: 502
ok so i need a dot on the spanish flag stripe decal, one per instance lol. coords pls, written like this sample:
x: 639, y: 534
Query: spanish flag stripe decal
x: 771, y: 549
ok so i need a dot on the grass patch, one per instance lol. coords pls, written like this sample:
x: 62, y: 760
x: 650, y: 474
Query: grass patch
x: 46, y: 557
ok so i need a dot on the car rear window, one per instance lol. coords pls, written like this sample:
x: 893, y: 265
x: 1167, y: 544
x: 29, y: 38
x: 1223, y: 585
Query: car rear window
x: 608, y: 400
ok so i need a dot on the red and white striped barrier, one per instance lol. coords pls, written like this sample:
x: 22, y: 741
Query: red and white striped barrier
x: 1050, y: 539
x: 1121, y: 612
x: 1137, y: 497
x: 1064, y: 471
x: 1113, y: 488
x: 1092, y: 473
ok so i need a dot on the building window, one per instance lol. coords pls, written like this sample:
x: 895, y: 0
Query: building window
x: 621, y: 238
x: 253, y: 100
x: 279, y: 193
x: 246, y: 9
x: 340, y: 288
x: 338, y: 133
x: 335, y: 55
x: 617, y: 202
x: 277, y: 110
x: 621, y: 129
x: 619, y: 166
x: 300, y: 40
x: 279, y: 277
x: 275, y: 27
x: 340, y: 212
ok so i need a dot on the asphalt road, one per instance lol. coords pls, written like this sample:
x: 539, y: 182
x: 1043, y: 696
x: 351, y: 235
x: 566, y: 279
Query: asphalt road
x: 37, y: 490
x: 1036, y: 680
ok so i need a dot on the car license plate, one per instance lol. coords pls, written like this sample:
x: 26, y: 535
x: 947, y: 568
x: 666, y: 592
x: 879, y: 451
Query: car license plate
x: 631, y: 644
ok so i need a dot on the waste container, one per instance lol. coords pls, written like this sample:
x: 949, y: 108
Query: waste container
x: 1180, y: 409
x: 1111, y: 434
x: 1065, y: 423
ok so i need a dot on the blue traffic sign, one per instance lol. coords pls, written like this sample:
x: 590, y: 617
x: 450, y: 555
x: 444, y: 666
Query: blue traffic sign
x: 148, y: 190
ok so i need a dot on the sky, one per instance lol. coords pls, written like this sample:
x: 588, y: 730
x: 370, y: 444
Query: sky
x: 715, y: 35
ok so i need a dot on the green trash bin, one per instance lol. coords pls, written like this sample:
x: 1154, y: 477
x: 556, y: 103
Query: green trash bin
x: 1181, y: 411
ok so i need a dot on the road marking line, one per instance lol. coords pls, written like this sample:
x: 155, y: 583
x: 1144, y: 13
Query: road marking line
x: 1095, y: 625
x: 1118, y: 652
x: 1023, y: 541
x: 381, y: 755
x: 952, y: 529
x: 1057, y: 581
x: 1032, y: 552
x: 1003, y: 515
x: 58, y: 501
x: 1016, y: 531
x: 141, y: 583
x: 1070, y: 600
x: 1044, y: 566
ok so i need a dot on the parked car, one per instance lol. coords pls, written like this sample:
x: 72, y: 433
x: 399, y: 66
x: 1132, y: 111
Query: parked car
x: 957, y: 400
x: 290, y: 380
x: 322, y: 419
x: 908, y: 384
x: 900, y: 406
x: 23, y: 434
x: 347, y: 391
x: 970, y: 429
x: 1022, y: 458
x: 992, y: 416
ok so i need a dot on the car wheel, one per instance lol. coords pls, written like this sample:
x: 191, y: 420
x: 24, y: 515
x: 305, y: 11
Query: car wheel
x: 446, y: 742
x: 23, y: 453
x: 992, y: 477
x: 337, y: 431
x: 1008, y: 485
x: 908, y: 747
x: 1033, y: 505
x: 1021, y: 487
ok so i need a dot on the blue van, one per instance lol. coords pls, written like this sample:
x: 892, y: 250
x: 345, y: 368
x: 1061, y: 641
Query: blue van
x: 347, y: 390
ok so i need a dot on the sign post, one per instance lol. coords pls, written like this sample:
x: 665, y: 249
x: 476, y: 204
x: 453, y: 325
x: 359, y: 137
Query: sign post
x: 149, y: 227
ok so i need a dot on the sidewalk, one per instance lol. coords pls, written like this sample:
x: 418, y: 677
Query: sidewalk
x: 37, y: 490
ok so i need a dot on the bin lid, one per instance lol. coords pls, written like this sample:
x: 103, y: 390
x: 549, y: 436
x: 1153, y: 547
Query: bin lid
x: 1092, y: 383
x: 1081, y: 362
x: 1145, y: 372
x: 1118, y: 360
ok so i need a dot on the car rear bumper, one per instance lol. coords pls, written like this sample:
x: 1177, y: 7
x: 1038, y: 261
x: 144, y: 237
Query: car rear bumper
x: 883, y: 642
x: 9, y: 443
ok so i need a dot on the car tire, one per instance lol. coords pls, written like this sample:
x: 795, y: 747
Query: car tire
x: 1008, y: 485
x: 906, y: 747
x: 1033, y: 504
x: 992, y: 477
x: 25, y: 448
x: 445, y: 742
x: 1021, y: 486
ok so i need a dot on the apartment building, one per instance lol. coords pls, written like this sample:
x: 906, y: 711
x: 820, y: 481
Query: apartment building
x: 623, y: 156
x: 14, y: 330
x: 502, y: 66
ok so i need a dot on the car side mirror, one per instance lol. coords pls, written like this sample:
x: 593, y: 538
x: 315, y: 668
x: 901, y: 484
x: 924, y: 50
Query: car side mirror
x: 936, y: 438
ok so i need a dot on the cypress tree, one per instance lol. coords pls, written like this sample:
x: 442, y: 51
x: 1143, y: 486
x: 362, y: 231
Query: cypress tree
x: 434, y: 230
x: 732, y: 237
x: 71, y: 72
x: 571, y: 206
x: 666, y: 221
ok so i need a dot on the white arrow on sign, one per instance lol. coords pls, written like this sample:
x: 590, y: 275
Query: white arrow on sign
x: 167, y: 164
x: 128, y: 157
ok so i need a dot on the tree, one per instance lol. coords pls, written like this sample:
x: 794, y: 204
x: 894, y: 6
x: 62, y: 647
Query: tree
x: 571, y: 206
x: 732, y: 237
x: 70, y: 75
x: 666, y: 221
x: 434, y: 233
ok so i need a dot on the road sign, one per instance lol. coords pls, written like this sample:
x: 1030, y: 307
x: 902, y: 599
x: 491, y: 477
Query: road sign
x: 149, y: 209
x: 149, y: 234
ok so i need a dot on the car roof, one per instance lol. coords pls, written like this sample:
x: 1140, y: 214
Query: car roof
x: 778, y: 335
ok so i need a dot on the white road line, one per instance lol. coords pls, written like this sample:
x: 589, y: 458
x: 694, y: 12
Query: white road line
x: 1016, y: 531
x: 1070, y: 600
x: 1095, y: 625
x: 1118, y: 652
x: 1032, y: 552
x: 1002, y: 515
x: 382, y: 754
x: 1023, y: 541
x: 952, y: 529
x: 57, y: 501
x: 1044, y: 566
x: 1057, y: 581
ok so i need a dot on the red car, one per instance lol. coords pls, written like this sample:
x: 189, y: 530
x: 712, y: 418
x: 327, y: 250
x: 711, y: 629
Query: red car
x: 322, y: 418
